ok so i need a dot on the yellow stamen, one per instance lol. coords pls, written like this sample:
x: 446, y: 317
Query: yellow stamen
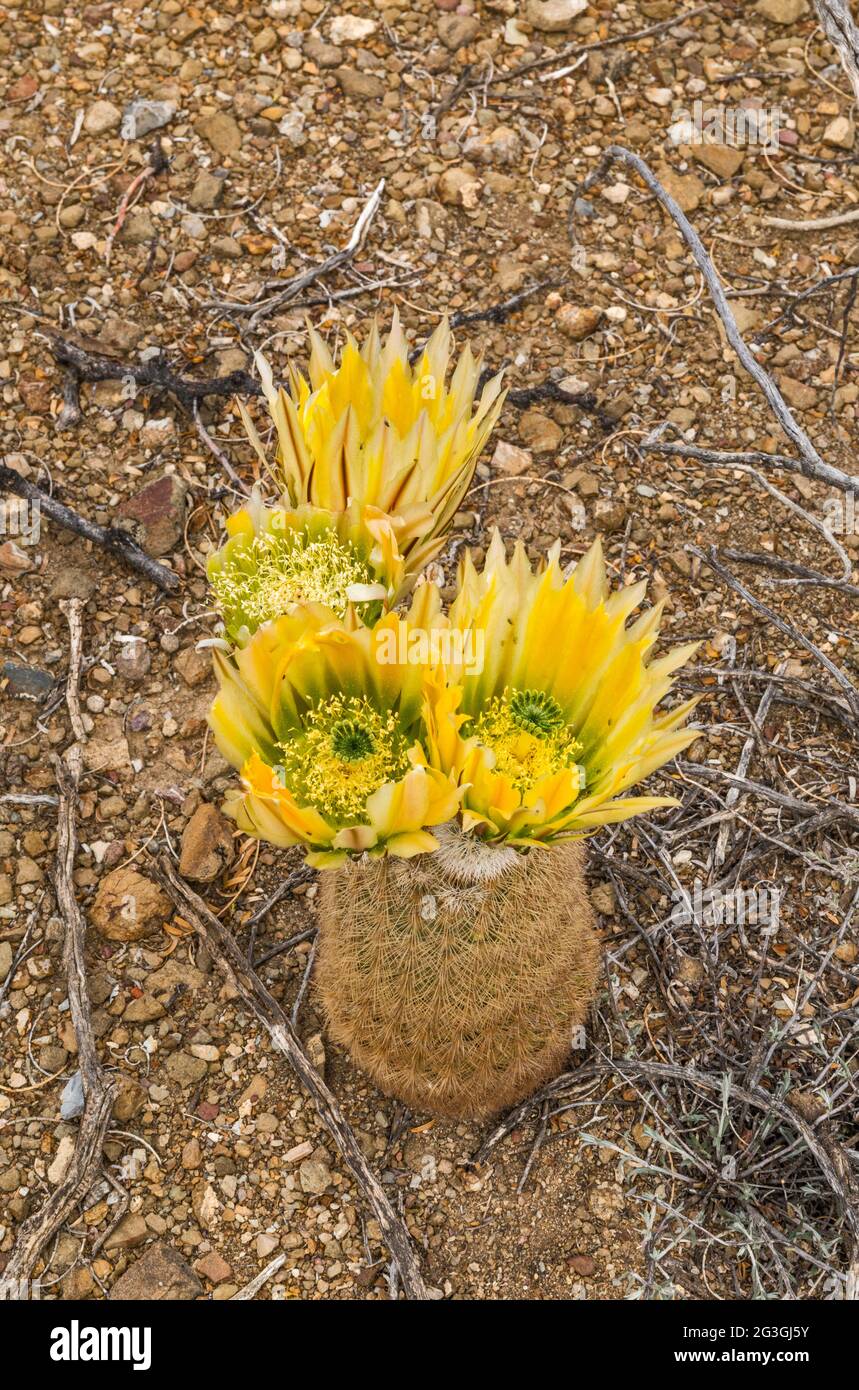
x: 274, y: 571
x: 345, y: 752
x: 525, y: 729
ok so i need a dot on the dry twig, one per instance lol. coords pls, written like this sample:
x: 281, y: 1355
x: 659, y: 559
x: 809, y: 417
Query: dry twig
x: 232, y: 962
x: 290, y: 289
x: 110, y: 538
x: 99, y: 1091
x: 785, y: 628
x: 812, y: 465
x: 837, y: 24
x: 83, y: 364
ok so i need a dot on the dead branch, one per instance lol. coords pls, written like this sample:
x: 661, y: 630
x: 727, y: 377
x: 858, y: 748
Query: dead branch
x: 787, y: 803
x: 323, y: 299
x: 98, y: 1090
x: 837, y: 24
x: 570, y: 1082
x: 24, y: 948
x: 574, y: 50
x: 309, y: 934
x: 72, y: 610
x: 287, y: 290
x: 731, y: 458
x: 762, y: 1100
x: 462, y: 85
x: 812, y: 224
x: 849, y: 305
x: 251, y: 1290
x: 792, y: 506
x: 742, y: 769
x: 218, y: 452
x: 494, y: 313
x: 535, y: 1147
x: 119, y: 1211
x: 110, y: 538
x: 798, y: 297
x: 522, y: 398
x: 302, y: 874
x: 785, y: 628
x: 84, y: 365
x: 829, y: 1156
x: 812, y: 465
x: 233, y: 964
x: 803, y: 576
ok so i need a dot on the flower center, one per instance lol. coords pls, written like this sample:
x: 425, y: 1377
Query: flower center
x: 269, y: 574
x: 350, y: 741
x: 526, y: 731
x: 346, y: 750
x: 536, y: 712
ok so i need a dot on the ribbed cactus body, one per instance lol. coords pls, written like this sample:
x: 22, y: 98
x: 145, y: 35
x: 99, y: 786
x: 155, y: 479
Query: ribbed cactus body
x: 458, y: 980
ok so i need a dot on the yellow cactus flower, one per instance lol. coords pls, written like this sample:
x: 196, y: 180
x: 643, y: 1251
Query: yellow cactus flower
x: 560, y: 721
x: 378, y: 432
x: 278, y: 557
x: 323, y: 719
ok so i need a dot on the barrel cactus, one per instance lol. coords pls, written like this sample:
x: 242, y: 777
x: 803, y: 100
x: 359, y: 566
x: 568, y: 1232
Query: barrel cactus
x: 457, y: 955
x: 461, y: 980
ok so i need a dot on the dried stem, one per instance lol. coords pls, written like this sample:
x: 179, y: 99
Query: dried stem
x: 86, y: 1161
x: 232, y: 962
x: 811, y: 464
x: 837, y: 24
x: 109, y: 538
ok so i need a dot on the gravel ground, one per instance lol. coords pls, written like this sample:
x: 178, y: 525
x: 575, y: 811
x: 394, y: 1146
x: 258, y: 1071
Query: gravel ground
x: 165, y: 170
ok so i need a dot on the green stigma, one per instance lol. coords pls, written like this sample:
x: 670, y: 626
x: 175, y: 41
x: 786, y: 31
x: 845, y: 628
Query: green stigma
x: 529, y: 736
x: 261, y: 578
x: 350, y: 741
x: 345, y: 751
x: 536, y: 712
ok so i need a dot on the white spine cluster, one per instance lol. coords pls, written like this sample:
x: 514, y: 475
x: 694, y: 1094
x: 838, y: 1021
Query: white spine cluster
x: 466, y: 859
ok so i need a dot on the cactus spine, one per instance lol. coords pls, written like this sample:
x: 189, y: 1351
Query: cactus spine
x: 458, y: 979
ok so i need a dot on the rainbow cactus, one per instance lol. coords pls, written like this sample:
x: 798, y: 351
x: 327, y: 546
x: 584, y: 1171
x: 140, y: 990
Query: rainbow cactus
x: 442, y: 767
